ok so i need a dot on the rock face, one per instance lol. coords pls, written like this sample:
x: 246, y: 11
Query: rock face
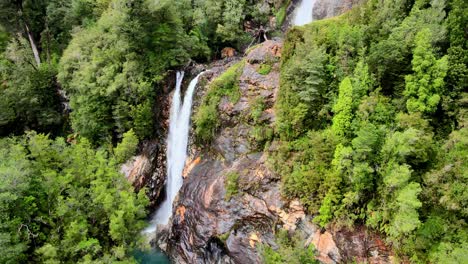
x: 207, y: 227
x: 330, y: 8
x: 148, y: 169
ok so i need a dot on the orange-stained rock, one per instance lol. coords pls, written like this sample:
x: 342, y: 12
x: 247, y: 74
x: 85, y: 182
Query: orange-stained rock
x: 228, y: 52
x: 326, y: 246
x: 254, y: 239
x: 190, y: 164
x: 276, y: 50
x: 180, y: 211
x: 291, y: 216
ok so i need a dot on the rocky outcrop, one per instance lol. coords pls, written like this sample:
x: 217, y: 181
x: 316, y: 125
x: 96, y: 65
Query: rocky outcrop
x: 330, y: 8
x: 148, y: 169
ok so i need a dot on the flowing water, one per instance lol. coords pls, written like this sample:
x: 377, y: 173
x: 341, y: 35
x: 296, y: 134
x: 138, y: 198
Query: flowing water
x: 303, y: 13
x: 176, y: 154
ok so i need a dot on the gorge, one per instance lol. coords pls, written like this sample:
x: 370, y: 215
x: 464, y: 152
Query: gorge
x: 233, y: 131
x: 207, y: 224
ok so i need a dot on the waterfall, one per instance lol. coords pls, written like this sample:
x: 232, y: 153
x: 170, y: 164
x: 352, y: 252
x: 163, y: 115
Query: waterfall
x: 176, y: 154
x: 303, y: 13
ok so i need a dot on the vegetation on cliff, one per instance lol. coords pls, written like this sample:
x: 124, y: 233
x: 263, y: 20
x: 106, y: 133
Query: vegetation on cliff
x: 372, y: 123
x: 206, y: 119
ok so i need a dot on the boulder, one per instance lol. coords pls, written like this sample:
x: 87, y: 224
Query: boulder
x: 228, y: 52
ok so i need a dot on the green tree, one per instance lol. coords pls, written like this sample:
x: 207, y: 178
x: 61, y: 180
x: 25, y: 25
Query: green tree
x: 426, y: 85
x: 127, y: 148
x: 343, y: 109
x: 28, y: 94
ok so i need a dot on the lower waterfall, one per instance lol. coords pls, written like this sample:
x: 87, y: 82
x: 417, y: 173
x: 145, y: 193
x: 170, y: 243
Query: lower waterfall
x: 176, y: 153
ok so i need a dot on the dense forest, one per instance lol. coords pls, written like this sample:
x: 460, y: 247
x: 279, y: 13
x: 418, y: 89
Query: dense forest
x: 371, y: 122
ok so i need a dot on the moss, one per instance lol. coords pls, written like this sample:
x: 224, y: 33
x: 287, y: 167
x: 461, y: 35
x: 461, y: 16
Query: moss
x: 281, y: 14
x: 232, y: 184
x: 264, y: 69
x: 206, y: 119
x: 252, y: 48
x: 256, y: 109
x: 260, y: 133
x: 224, y: 237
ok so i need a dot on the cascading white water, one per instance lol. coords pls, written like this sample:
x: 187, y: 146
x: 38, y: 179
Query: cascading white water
x: 303, y: 13
x: 176, y: 154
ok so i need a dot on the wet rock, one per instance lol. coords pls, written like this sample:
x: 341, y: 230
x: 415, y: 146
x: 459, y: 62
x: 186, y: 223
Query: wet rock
x: 208, y: 228
x: 148, y: 169
x: 190, y: 164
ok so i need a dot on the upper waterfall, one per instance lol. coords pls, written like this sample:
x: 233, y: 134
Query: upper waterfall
x: 303, y: 13
x: 176, y: 153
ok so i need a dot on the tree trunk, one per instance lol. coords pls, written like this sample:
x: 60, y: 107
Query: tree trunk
x: 33, y: 45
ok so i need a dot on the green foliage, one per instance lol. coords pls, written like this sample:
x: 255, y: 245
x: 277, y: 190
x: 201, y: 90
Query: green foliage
x: 260, y: 133
x: 449, y: 181
x: 343, y: 109
x: 302, y: 93
x: 371, y: 117
x: 222, y: 20
x: 127, y: 148
x: 304, y: 164
x: 28, y: 93
x: 256, y: 109
x: 281, y: 13
x: 106, y: 83
x: 65, y: 203
x: 206, y: 119
x: 290, y: 250
x: 425, y: 86
x: 232, y: 184
x: 225, y: 236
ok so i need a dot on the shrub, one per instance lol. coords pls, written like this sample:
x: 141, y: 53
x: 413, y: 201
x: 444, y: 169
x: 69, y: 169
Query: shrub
x: 126, y: 149
x: 206, y: 119
x: 290, y: 250
x: 281, y: 14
